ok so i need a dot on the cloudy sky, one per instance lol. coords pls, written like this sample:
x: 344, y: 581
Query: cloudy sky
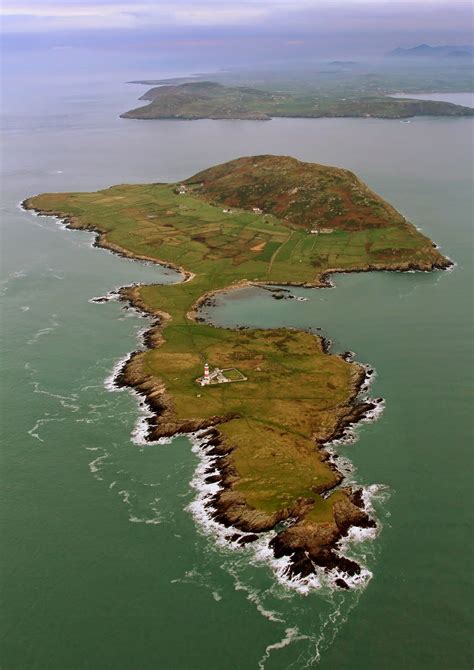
x: 423, y: 15
x: 230, y: 30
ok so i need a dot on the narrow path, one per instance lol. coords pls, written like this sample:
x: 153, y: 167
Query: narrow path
x: 275, y: 254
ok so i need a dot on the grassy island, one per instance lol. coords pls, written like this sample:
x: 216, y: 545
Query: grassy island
x: 211, y: 100
x: 268, y: 220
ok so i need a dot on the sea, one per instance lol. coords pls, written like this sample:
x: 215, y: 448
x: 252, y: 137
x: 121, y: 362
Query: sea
x: 105, y: 562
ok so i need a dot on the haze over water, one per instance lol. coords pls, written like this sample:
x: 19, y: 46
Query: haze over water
x: 103, y: 566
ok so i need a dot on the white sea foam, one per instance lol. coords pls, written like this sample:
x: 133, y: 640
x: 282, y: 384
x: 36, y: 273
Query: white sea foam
x: 54, y: 324
x: 263, y: 555
x: 96, y: 465
x: 57, y: 220
x: 350, y: 434
x: 141, y: 429
x: 68, y: 402
x: 114, y: 296
x: 330, y: 624
x: 34, y: 431
x: 125, y: 495
x: 111, y: 295
x: 260, y: 550
x: 110, y: 382
x: 291, y: 635
x: 254, y: 596
x: 154, y: 521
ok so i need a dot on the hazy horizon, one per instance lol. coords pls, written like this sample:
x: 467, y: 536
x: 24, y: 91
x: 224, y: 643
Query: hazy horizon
x: 142, y: 37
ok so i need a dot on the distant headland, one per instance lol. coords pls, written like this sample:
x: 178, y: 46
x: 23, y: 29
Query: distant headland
x: 212, y: 100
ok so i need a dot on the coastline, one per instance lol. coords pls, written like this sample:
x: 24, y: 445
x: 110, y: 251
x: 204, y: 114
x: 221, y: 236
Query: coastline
x: 100, y: 241
x: 303, y: 550
x: 215, y: 476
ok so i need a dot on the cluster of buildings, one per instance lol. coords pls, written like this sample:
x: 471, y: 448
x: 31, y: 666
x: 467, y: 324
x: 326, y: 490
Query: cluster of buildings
x: 217, y: 376
x: 317, y: 231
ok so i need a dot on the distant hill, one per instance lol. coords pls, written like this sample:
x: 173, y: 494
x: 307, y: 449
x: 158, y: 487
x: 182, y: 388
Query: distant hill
x: 343, y: 63
x: 427, y: 51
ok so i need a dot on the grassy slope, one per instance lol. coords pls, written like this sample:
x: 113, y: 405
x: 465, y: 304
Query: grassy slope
x: 295, y: 392
x: 200, y: 100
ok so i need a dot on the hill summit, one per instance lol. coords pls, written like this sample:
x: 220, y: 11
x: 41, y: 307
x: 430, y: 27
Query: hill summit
x: 305, y: 195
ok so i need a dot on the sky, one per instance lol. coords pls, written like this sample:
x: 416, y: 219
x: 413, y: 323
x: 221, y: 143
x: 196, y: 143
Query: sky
x: 436, y: 16
x: 230, y: 32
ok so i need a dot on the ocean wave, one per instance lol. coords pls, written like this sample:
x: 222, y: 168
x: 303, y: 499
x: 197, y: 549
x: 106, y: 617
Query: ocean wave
x: 141, y: 429
x: 110, y: 296
x: 110, y: 382
x: 114, y: 296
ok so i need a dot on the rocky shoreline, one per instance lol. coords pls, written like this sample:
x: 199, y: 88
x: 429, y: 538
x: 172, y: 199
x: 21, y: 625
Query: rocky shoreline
x: 308, y: 546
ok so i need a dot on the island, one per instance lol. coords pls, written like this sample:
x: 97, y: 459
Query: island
x: 212, y: 100
x: 263, y: 403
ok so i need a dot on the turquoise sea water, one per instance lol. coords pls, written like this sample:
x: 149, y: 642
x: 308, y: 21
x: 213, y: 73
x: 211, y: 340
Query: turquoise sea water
x: 103, y: 566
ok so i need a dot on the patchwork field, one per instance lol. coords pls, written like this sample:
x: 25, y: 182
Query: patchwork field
x: 270, y: 429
